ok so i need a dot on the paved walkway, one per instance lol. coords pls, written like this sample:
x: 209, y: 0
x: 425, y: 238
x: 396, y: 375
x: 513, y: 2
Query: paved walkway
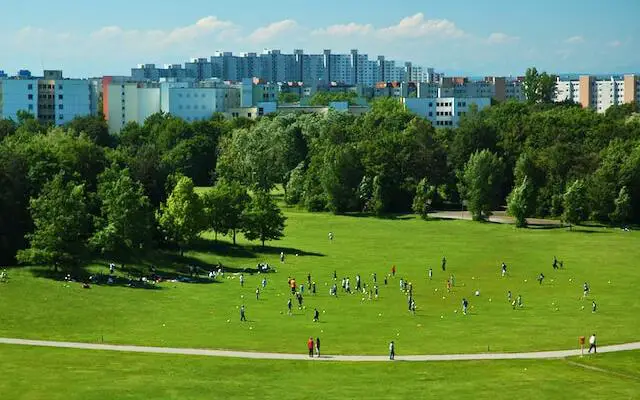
x: 285, y: 356
x: 498, y: 216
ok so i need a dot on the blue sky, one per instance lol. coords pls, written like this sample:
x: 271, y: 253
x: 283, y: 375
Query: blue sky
x: 470, y: 37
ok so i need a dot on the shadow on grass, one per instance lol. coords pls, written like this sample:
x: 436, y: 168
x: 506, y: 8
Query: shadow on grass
x: 81, y: 276
x: 392, y: 216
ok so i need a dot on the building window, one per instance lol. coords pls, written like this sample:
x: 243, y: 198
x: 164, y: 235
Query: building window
x: 61, y: 116
x: 30, y: 86
x: 248, y: 115
x: 430, y: 114
x: 60, y: 106
x: 60, y: 88
x: 30, y: 96
x: 30, y: 107
x: 60, y: 97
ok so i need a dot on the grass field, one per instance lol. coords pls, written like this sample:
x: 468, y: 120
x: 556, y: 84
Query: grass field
x: 42, y: 373
x: 206, y: 315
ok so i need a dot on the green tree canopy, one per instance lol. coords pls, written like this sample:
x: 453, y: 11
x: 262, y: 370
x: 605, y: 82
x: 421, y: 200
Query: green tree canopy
x: 224, y: 205
x: 61, y: 225
x: 575, y: 203
x: 181, y: 218
x: 480, y: 183
x: 263, y: 220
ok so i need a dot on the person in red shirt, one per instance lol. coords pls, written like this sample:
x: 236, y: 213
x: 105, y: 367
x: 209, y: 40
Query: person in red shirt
x: 310, y: 346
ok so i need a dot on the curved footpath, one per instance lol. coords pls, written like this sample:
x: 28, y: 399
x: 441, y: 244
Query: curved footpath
x: 286, y: 356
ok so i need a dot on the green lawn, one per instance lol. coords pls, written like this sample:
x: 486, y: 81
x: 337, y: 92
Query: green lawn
x: 45, y: 373
x: 206, y: 315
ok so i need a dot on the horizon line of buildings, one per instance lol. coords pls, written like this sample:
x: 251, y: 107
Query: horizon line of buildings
x: 121, y: 99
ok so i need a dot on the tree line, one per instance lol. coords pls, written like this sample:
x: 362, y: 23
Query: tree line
x: 73, y: 193
x: 79, y: 189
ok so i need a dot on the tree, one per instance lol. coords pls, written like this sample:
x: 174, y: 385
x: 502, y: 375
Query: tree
x: 263, y: 220
x: 480, y: 183
x: 286, y: 98
x: 61, y: 225
x: 539, y: 88
x: 223, y: 207
x: 125, y: 222
x: 95, y: 127
x: 324, y: 98
x: 425, y: 196
x: 519, y: 201
x: 575, y: 203
x: 623, y: 208
x: 181, y: 218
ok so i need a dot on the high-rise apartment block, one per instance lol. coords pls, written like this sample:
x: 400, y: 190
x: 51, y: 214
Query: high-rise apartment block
x: 274, y: 66
x: 597, y: 93
x: 51, y: 98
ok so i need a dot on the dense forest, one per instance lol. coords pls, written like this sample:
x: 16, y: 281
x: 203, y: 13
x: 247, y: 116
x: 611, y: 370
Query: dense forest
x: 68, y: 194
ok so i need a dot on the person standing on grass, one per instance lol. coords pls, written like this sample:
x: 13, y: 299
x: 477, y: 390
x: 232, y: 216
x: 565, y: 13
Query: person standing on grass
x: 430, y: 273
x: 313, y: 288
x: 540, y: 278
x: 392, y: 350
x: 358, y: 282
x: 413, y: 307
x: 465, y: 305
x: 444, y: 264
x: 509, y: 296
x: 242, y: 315
x: 257, y: 293
x: 375, y: 289
x: 385, y: 280
x: 289, y: 305
x: 504, y: 269
x: 348, y: 286
x: 330, y: 237
x: 309, y: 278
x: 241, y: 280
x: 592, y: 343
x: 593, y: 306
x: 585, y: 290
x: 264, y: 283
x: 318, y: 346
x: 519, y: 301
x: 310, y: 346
x: 555, y: 262
x: 316, y: 315
x: 448, y: 286
x: 393, y: 270
x: 282, y: 256
x: 335, y: 275
x: 375, y: 278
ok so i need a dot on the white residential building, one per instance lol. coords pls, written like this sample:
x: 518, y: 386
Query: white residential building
x: 130, y: 102
x: 197, y: 103
x: 444, y: 111
x: 599, y: 94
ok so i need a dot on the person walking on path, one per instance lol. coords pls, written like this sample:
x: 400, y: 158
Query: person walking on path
x: 310, y: 346
x: 392, y: 350
x: 242, y: 315
x: 316, y: 315
x: 318, y: 346
x: 592, y: 344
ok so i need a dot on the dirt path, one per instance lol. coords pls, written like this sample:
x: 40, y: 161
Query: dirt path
x: 286, y: 356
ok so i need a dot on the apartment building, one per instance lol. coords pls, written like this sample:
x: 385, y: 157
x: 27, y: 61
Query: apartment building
x: 444, y: 112
x: 599, y: 93
x: 52, y: 99
x: 274, y: 66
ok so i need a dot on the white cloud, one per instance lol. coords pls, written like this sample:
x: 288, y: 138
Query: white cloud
x: 502, y: 38
x: 615, y: 43
x: 417, y: 26
x: 575, y: 40
x: 345, y: 30
x: 271, y: 31
x: 203, y: 28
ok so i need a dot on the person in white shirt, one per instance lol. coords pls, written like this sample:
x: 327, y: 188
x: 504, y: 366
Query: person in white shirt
x: 592, y: 343
x: 392, y: 351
